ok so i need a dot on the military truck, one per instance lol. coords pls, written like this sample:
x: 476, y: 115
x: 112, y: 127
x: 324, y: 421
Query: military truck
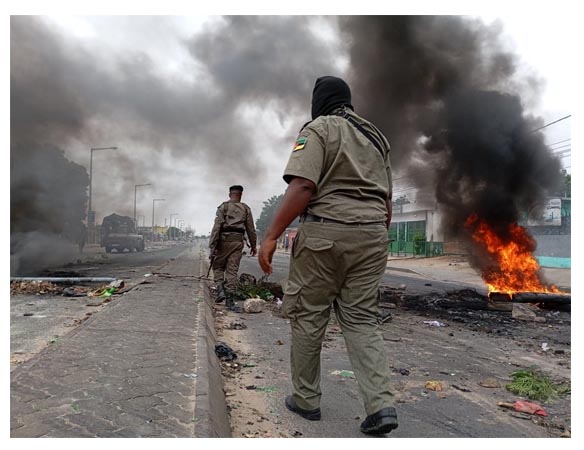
x: 119, y: 232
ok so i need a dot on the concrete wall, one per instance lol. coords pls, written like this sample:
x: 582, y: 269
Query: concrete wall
x: 550, y: 245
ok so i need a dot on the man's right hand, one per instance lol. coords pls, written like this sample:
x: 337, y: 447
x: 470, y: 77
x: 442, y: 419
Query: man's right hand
x: 266, y: 253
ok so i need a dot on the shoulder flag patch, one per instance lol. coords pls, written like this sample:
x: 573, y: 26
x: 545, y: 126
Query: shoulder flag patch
x: 300, y: 143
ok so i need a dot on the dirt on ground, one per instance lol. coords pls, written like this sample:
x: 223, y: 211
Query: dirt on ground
x: 450, y: 350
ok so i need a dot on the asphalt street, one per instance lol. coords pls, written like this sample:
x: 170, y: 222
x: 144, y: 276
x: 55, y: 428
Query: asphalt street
x: 143, y: 364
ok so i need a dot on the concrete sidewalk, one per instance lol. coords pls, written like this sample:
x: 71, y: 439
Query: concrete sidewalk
x: 139, y: 368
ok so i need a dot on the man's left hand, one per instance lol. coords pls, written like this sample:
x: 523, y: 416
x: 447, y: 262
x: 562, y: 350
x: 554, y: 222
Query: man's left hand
x: 254, y: 251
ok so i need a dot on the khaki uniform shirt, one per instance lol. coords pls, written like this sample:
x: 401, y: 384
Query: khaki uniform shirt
x: 233, y: 216
x: 353, y: 179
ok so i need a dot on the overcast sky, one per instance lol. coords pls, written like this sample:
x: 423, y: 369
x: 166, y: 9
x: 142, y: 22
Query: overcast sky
x: 180, y: 97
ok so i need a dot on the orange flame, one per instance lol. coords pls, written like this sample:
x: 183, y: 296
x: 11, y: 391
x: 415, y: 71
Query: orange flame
x: 516, y: 268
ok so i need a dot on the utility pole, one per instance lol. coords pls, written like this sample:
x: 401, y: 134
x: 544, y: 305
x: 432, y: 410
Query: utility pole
x: 90, y: 213
x: 136, y: 186
x: 173, y: 214
x: 153, y: 202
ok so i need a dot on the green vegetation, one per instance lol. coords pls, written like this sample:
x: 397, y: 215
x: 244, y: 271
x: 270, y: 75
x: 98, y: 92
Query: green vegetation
x: 535, y: 386
x: 245, y: 291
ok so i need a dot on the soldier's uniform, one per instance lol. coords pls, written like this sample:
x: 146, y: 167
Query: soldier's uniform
x: 339, y: 254
x: 232, y: 221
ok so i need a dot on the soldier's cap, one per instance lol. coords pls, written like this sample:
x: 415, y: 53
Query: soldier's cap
x: 236, y: 187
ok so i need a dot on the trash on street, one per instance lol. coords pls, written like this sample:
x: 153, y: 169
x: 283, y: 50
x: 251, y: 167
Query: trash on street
x: 344, y: 373
x: 224, y: 352
x: 434, y: 386
x: 435, y: 323
x: 525, y: 407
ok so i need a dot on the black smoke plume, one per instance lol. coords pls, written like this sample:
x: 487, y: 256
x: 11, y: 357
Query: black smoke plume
x: 47, y: 190
x: 447, y: 94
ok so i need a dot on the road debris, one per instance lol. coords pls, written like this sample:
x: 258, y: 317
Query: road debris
x: 535, y: 386
x: 236, y: 325
x: 523, y: 311
x: 461, y: 388
x: 434, y: 386
x: 344, y: 373
x: 34, y: 287
x: 75, y: 292
x: 435, y: 323
x: 385, y: 316
x: 490, y: 383
x: 267, y: 389
x: 525, y: 407
x: 254, y: 305
x: 224, y: 352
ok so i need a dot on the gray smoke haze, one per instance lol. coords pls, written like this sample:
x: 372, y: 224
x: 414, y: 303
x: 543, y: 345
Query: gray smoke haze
x: 445, y: 92
x: 172, y: 130
x: 227, y: 103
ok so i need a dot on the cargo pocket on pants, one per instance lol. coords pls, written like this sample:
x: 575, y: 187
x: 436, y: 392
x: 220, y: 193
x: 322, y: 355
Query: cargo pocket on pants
x: 291, y: 301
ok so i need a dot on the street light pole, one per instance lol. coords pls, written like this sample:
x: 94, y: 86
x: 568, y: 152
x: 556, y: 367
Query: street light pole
x: 136, y: 186
x: 153, y: 202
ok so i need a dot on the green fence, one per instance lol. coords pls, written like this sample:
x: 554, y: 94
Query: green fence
x: 416, y: 248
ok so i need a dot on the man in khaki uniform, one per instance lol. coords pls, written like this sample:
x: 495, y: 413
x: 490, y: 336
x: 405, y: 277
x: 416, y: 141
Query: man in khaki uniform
x: 232, y: 221
x: 339, y: 177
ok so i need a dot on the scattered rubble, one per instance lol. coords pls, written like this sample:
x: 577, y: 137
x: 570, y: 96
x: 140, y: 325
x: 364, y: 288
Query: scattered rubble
x: 491, y: 383
x: 254, y: 305
x: 435, y: 323
x: 434, y: 386
x: 235, y: 325
x: 224, y: 352
x: 523, y: 311
x: 34, y: 287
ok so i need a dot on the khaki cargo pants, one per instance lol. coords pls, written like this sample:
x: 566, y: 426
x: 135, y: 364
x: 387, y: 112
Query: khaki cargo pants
x: 226, y: 263
x: 340, y: 264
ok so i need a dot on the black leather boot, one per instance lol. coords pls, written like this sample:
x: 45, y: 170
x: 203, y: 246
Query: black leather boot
x: 382, y: 422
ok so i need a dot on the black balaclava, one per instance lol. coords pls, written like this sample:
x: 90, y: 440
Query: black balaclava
x: 329, y: 93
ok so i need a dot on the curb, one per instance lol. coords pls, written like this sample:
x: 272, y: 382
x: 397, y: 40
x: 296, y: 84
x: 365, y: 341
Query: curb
x: 212, y: 419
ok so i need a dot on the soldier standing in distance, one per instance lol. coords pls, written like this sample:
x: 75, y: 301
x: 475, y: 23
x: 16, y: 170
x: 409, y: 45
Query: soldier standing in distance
x: 339, y: 177
x: 232, y: 221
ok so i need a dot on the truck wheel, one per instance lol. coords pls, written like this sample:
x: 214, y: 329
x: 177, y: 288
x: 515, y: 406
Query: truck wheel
x: 108, y: 249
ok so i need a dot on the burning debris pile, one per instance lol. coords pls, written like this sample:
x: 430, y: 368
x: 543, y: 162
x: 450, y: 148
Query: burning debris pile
x: 511, y: 266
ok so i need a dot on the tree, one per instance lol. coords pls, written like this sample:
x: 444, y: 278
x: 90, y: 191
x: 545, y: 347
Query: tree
x: 271, y: 205
x: 568, y: 185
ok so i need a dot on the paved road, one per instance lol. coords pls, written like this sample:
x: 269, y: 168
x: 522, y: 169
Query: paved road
x: 130, y: 371
x: 394, y: 276
x: 460, y: 356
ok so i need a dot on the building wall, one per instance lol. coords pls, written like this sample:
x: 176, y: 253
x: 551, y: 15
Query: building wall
x: 413, y: 213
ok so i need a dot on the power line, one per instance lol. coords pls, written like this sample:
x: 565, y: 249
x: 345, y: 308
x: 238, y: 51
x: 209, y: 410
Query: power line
x: 559, y: 142
x: 551, y: 123
x: 561, y: 147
